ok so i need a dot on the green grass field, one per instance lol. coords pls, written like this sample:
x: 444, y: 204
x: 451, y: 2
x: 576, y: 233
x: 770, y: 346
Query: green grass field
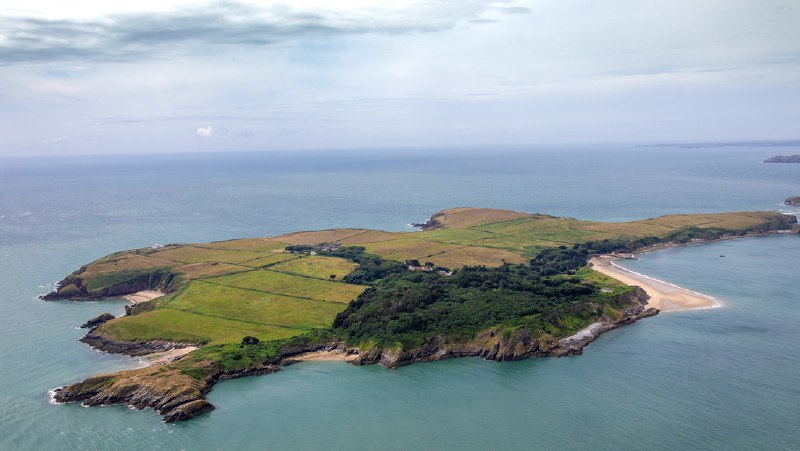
x: 265, y: 308
x: 208, y: 269
x: 274, y: 282
x: 316, y: 266
x: 171, y: 324
x: 226, y: 296
x: 269, y: 260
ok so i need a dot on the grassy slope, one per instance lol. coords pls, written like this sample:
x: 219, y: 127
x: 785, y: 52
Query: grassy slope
x: 251, y: 287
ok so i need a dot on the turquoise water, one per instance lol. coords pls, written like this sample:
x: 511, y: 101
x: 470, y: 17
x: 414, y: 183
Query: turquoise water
x: 723, y: 378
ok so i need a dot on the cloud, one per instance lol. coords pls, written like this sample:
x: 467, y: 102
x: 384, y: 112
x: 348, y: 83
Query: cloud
x: 134, y: 36
x: 205, y: 132
x: 515, y: 10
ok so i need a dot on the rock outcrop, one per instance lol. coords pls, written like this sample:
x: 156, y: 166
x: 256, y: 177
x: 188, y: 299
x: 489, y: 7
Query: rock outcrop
x: 169, y: 390
x: 792, y: 201
x: 74, y: 287
x: 430, y: 224
x: 132, y: 348
x: 97, y: 320
x: 178, y: 391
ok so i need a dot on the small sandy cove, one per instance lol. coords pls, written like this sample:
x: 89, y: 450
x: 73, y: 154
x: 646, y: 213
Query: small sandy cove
x: 157, y: 358
x: 162, y: 358
x: 142, y: 296
x: 663, y: 296
x: 319, y: 356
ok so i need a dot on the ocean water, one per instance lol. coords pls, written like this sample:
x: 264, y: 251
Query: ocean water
x: 722, y: 378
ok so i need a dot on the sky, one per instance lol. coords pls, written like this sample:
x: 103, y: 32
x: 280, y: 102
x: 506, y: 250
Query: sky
x: 98, y: 77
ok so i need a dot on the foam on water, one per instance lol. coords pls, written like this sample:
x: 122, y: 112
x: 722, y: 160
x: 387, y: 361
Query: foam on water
x: 716, y: 302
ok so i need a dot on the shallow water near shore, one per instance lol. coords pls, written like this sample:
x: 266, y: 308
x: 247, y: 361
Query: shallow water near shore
x: 721, y: 378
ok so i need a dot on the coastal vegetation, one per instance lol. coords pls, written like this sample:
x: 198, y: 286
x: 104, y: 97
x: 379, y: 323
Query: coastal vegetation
x: 492, y: 283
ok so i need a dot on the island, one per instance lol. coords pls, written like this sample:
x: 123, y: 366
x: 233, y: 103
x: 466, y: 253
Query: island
x: 783, y: 159
x: 792, y: 201
x: 497, y: 284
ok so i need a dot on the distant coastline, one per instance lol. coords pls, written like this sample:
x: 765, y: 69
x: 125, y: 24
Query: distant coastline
x: 783, y: 159
x: 702, y: 145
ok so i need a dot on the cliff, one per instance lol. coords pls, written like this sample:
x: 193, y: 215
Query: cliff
x: 177, y: 391
x: 77, y: 285
x: 169, y: 390
x: 501, y: 345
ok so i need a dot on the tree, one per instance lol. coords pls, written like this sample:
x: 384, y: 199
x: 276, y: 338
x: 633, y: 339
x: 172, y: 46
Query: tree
x: 332, y: 277
x: 414, y: 263
x: 250, y: 340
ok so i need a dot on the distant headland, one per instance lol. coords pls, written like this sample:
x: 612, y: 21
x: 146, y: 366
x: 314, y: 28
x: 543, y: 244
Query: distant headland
x: 497, y: 284
x: 783, y: 159
x: 703, y: 145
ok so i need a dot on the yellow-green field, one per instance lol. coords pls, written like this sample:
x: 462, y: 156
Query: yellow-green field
x: 267, y: 281
x: 171, y: 324
x: 192, y: 254
x: 316, y: 266
x: 269, y: 309
x: 269, y: 260
x: 206, y: 269
x: 247, y: 244
x: 262, y: 303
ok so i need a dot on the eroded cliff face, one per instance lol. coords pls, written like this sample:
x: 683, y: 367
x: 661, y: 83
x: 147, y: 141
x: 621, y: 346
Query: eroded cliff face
x: 75, y: 287
x: 501, y: 346
x: 178, y: 392
x: 132, y: 348
x: 168, y: 390
x: 171, y: 393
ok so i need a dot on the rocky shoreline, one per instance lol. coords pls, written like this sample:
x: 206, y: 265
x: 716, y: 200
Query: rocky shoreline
x: 175, y: 400
x: 73, y: 287
x: 178, y: 397
x: 131, y: 348
x: 671, y: 244
x: 493, y: 345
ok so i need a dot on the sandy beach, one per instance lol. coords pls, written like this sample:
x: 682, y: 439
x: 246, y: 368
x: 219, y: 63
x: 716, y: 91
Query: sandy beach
x: 319, y: 356
x: 663, y: 296
x: 142, y: 296
x: 161, y: 358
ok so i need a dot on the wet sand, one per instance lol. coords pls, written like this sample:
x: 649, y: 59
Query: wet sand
x: 663, y: 295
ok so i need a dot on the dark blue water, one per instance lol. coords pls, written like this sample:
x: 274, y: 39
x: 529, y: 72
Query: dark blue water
x: 723, y: 378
